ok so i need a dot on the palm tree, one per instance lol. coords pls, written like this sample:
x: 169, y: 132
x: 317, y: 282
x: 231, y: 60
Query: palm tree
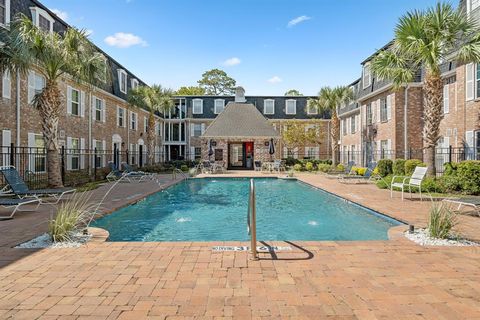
x: 427, y: 39
x: 329, y: 99
x: 54, y: 56
x: 153, y: 99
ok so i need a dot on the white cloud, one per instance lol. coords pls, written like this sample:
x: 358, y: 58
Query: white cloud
x: 125, y: 40
x: 231, y: 62
x: 275, y: 79
x: 298, y: 20
x: 61, y: 14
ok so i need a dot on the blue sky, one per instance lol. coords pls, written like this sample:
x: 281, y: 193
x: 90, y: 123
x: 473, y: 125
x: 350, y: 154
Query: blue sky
x: 268, y: 46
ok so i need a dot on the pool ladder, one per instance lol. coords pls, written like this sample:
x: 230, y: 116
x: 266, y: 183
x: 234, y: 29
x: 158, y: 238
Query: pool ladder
x: 252, y: 220
x: 175, y: 171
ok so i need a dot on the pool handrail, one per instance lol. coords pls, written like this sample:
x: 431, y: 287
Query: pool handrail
x: 252, y: 220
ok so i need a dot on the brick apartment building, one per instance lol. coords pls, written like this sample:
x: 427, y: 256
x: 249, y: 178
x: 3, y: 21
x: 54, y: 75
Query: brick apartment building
x: 386, y: 123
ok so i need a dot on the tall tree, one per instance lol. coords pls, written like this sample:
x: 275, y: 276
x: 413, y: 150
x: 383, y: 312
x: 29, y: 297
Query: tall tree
x: 190, y: 91
x: 428, y: 38
x: 53, y: 55
x: 217, y: 82
x: 153, y: 99
x: 329, y: 99
x: 293, y: 92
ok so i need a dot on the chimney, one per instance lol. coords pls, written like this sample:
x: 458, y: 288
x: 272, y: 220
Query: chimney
x: 240, y: 94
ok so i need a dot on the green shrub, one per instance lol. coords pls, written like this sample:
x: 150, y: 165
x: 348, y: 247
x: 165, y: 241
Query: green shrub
x: 398, y: 167
x: 340, y: 167
x: 309, y: 166
x: 184, y: 168
x: 384, y: 183
x: 384, y: 167
x: 297, y: 167
x: 430, y: 184
x: 441, y: 221
x: 291, y: 161
x: 468, y: 174
x: 411, y: 164
x: 450, y: 168
x: 72, y: 216
x: 324, y: 167
x: 451, y: 183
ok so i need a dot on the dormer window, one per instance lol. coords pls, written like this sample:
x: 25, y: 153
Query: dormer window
x: 219, y: 106
x: 367, y: 75
x: 122, y: 80
x: 134, y: 83
x: 4, y: 12
x: 42, y: 19
x: 472, y: 5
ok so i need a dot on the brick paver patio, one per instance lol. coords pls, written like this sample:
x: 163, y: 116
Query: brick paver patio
x: 393, y: 279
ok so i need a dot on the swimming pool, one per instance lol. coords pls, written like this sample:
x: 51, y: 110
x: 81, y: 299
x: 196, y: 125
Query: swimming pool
x: 209, y: 209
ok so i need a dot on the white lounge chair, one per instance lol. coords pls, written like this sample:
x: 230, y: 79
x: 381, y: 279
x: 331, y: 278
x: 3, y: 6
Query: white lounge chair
x: 9, y: 203
x: 472, y: 202
x: 415, y: 181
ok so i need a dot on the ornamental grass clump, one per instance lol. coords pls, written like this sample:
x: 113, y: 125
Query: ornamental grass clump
x: 73, y: 217
x: 441, y: 221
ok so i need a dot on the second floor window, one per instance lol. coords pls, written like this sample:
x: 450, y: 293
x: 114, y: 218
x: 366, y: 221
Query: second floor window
x: 353, y: 124
x: 197, y: 129
x: 36, y: 83
x: 133, y: 121
x: 122, y: 80
x: 369, y: 114
x: 120, y: 117
x: 367, y: 76
x: 383, y: 110
x: 99, y: 109
x: 74, y: 102
x: 344, y: 127
x: 4, y: 12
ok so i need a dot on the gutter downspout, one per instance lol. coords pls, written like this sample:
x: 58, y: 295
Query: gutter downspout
x: 405, y: 122
x: 90, y: 147
x: 18, y: 109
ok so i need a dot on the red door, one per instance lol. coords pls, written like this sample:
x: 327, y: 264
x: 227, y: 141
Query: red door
x: 249, y: 155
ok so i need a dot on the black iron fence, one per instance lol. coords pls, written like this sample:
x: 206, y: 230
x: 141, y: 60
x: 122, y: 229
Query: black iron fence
x: 79, y: 166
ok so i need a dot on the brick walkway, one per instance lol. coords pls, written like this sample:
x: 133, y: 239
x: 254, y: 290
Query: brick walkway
x: 317, y: 280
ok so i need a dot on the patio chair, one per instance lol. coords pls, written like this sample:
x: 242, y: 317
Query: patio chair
x: 129, y: 170
x: 257, y: 165
x: 277, y: 166
x: 206, y: 167
x: 414, y: 181
x: 368, y: 176
x: 8, y: 203
x: 472, y: 202
x: 21, y: 190
x: 347, y: 171
x: 116, y: 174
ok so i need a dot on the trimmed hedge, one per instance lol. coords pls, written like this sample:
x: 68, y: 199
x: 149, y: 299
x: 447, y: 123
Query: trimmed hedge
x: 385, y: 167
x: 398, y: 167
x: 410, y: 166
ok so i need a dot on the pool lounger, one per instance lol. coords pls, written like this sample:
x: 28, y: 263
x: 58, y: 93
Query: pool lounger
x: 21, y: 190
x: 467, y: 202
x: 16, y: 204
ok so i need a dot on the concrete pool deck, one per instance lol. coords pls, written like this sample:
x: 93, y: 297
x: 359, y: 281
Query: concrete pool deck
x: 393, y: 279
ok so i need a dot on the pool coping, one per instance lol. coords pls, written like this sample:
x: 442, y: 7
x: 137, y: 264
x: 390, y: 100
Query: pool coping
x: 392, y: 232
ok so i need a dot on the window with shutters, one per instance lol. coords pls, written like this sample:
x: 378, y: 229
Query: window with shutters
x: 75, y: 154
x: 477, y: 145
x: 42, y: 19
x: 269, y: 106
x: 369, y: 114
x: 99, y: 153
x: 74, y: 102
x: 134, y: 83
x: 384, y: 148
x: 383, y: 110
x: 122, y: 80
x: 197, y: 129
x: 446, y: 99
x: 311, y: 109
x: 99, y: 112
x: 36, y: 83
x: 39, y: 155
x: 344, y: 127
x: 197, y: 106
x: 477, y: 81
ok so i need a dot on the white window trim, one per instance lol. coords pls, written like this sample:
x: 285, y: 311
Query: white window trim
x: 123, y: 118
x: 365, y: 66
x: 134, y: 83
x: 311, y: 110
x: 6, y: 85
x: 294, y: 104
x: 264, y: 106
x: 32, y: 90
x: 120, y: 73
x: 7, y: 14
x: 102, y: 110
x: 446, y: 99
x: 201, y: 106
x: 215, y: 105
x: 36, y: 12
x: 135, y: 124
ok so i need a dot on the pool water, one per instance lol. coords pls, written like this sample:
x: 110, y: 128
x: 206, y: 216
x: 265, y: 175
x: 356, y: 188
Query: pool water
x: 216, y: 209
